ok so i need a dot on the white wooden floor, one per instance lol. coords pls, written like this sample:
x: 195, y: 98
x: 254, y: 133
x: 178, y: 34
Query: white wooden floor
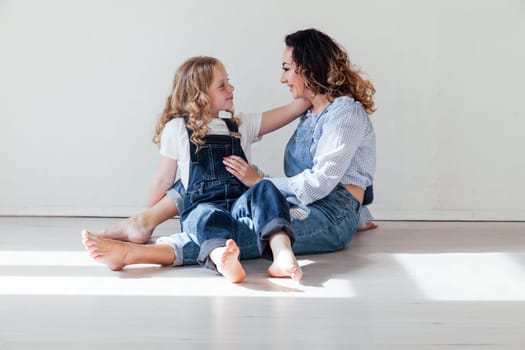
x: 405, y: 285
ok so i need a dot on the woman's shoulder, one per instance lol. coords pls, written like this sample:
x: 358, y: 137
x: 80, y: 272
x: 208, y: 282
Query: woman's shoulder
x: 345, y: 105
x: 345, y: 112
x: 346, y: 102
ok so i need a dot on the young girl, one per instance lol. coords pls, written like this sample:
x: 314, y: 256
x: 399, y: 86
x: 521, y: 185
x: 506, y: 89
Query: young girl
x: 221, y: 215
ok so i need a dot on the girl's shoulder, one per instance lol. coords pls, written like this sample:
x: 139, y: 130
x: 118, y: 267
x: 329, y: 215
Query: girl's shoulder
x: 174, y: 127
x: 175, y: 124
x: 249, y: 120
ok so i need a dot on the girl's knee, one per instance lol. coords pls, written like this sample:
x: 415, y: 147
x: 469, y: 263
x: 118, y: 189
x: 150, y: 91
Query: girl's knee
x: 267, y: 187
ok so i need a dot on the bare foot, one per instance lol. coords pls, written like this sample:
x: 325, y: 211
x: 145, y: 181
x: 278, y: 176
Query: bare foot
x: 132, y: 229
x: 285, y: 265
x: 368, y: 226
x: 107, y: 251
x: 227, y: 261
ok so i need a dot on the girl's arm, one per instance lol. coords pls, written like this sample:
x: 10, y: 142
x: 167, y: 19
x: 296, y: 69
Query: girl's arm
x: 276, y: 118
x: 163, y: 180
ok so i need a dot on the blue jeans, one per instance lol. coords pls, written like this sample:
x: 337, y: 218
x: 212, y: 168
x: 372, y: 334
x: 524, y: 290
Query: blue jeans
x: 257, y: 214
x: 328, y: 225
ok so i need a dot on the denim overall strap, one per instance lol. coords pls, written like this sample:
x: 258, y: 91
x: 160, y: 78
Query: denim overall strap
x: 209, y: 181
x: 297, y: 156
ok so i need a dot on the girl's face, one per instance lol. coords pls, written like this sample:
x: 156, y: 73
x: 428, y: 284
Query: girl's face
x: 221, y: 92
x: 290, y: 77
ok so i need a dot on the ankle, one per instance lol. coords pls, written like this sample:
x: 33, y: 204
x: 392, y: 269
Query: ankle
x: 280, y: 242
x: 142, y: 222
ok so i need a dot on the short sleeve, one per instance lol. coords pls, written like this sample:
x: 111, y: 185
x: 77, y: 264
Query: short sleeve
x: 171, y: 137
x: 251, y: 126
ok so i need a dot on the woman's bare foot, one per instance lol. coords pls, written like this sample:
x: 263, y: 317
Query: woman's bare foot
x: 368, y: 226
x: 227, y: 261
x: 133, y: 229
x: 107, y: 251
x: 285, y: 265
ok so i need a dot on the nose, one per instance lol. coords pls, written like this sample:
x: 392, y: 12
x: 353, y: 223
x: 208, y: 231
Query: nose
x: 283, y: 78
x: 231, y: 87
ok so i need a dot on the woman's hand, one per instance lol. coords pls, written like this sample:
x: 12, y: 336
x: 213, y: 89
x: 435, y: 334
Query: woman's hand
x: 238, y: 167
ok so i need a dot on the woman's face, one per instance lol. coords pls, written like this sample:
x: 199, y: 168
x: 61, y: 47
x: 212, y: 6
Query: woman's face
x: 290, y: 77
x: 220, y: 92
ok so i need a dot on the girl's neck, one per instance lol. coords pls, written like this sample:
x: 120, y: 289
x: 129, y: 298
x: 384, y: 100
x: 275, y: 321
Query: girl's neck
x: 319, y: 103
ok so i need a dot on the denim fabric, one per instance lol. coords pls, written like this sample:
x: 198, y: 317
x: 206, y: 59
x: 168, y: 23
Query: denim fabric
x: 209, y: 181
x: 254, y: 217
x: 325, y: 225
x: 329, y: 223
x: 176, y: 193
x: 218, y: 207
x: 298, y: 155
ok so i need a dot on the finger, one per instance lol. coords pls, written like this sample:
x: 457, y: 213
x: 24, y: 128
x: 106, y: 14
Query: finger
x: 235, y: 159
x: 228, y: 163
x: 231, y: 170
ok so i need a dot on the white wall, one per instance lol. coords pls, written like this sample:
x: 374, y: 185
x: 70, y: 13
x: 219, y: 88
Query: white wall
x: 82, y: 83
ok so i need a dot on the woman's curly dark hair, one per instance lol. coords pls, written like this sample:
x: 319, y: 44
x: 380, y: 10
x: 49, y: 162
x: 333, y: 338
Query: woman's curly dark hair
x: 326, y: 68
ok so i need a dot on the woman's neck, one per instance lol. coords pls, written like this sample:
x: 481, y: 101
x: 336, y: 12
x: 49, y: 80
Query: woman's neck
x: 319, y: 103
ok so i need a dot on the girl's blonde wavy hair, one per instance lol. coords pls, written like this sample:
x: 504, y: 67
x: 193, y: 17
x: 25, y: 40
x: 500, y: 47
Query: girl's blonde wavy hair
x: 326, y: 68
x: 189, y: 98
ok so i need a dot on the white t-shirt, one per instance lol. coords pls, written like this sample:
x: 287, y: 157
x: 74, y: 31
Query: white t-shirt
x: 174, y: 141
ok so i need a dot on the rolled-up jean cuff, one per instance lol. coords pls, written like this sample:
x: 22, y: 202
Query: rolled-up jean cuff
x: 176, y: 197
x: 177, y: 249
x: 274, y: 226
x: 206, y: 248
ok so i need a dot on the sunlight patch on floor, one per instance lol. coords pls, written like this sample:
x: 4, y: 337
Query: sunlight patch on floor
x: 142, y: 284
x: 164, y: 286
x: 45, y: 258
x: 466, y: 276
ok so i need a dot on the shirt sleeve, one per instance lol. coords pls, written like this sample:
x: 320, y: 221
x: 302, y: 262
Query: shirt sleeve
x: 342, y: 133
x: 168, y: 140
x: 251, y: 125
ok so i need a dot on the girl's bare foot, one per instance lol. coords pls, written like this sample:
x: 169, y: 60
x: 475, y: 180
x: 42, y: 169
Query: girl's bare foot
x: 132, y: 229
x: 368, y: 226
x: 285, y: 265
x: 227, y: 261
x: 106, y: 251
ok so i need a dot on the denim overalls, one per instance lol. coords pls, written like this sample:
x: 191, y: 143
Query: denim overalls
x: 332, y: 221
x: 218, y: 207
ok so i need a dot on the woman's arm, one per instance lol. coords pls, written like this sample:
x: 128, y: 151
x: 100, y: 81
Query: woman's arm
x: 243, y: 171
x: 163, y: 180
x: 343, y: 131
x: 276, y: 118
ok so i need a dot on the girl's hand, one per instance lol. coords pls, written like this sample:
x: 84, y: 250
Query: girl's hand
x: 238, y: 167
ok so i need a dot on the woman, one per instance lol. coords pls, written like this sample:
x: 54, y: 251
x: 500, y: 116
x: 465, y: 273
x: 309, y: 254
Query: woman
x: 329, y: 162
x: 330, y: 159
